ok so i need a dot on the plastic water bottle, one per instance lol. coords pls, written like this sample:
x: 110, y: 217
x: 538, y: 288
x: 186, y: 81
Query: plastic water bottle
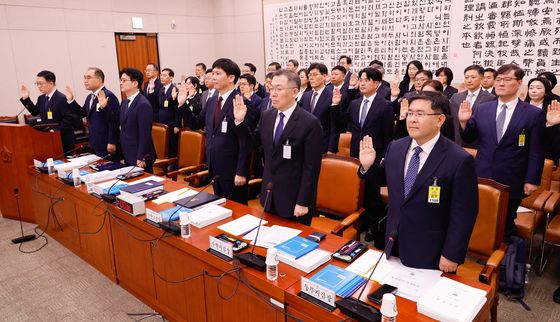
x: 272, y: 264
x: 76, y: 178
x: 389, y: 308
x: 185, y: 224
x: 50, y: 165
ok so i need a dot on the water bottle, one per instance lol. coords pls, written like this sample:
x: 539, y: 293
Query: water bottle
x: 272, y: 264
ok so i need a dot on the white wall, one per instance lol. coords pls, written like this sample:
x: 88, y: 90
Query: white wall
x: 68, y: 36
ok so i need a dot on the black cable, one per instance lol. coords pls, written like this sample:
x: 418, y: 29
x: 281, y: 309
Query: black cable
x: 117, y: 221
x: 145, y: 315
x: 78, y: 229
x: 42, y: 234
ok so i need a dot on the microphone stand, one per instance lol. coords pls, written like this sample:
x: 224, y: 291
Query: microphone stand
x: 23, y: 238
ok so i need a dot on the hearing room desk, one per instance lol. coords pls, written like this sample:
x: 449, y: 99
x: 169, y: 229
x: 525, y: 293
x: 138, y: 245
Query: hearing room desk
x: 178, y: 277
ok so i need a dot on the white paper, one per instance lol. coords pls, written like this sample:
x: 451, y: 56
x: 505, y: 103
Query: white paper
x: 523, y: 209
x: 365, y: 263
x: 175, y: 195
x: 242, y: 225
x: 412, y: 283
x: 272, y: 236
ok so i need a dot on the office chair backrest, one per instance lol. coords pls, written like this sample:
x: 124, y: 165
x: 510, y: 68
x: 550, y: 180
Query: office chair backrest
x: 344, y: 144
x: 191, y: 148
x: 160, y: 137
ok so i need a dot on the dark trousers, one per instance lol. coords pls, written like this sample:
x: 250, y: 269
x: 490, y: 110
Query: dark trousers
x: 305, y: 220
x: 227, y: 189
x: 68, y: 140
x: 511, y: 230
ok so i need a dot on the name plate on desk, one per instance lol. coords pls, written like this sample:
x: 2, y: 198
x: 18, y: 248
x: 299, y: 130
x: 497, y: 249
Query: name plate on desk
x: 153, y: 215
x: 221, y: 248
x: 319, y: 293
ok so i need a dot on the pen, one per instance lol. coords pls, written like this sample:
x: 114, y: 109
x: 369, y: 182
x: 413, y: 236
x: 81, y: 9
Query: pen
x: 346, y: 247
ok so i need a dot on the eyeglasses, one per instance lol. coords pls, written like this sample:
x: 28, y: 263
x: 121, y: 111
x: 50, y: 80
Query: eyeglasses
x: 505, y: 79
x: 122, y: 80
x: 313, y: 74
x: 40, y: 83
x: 420, y: 114
x: 279, y: 89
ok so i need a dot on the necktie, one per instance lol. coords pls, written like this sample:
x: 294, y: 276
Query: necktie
x: 125, y: 103
x: 363, y: 113
x: 412, y: 171
x: 91, y: 98
x: 47, y: 99
x: 279, y: 129
x: 470, y: 98
x: 500, y: 122
x: 313, y: 101
x: 218, y: 110
x: 269, y: 104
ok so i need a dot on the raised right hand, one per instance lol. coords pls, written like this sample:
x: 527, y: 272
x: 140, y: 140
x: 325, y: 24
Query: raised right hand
x: 69, y: 93
x: 465, y: 113
x: 182, y: 95
x: 24, y: 91
x: 239, y: 109
x: 404, y: 109
x: 354, y: 80
x: 336, y: 96
x: 553, y: 113
x: 367, y: 153
x: 395, y: 91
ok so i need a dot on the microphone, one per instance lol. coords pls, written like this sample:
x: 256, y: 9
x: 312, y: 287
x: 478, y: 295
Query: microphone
x: 170, y: 226
x: 251, y: 259
x: 357, y: 309
x: 23, y: 238
x: 110, y: 197
x: 45, y: 169
x: 23, y: 109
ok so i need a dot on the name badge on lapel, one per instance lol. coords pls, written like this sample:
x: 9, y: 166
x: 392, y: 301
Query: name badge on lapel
x: 521, y: 141
x: 224, y: 126
x: 97, y: 107
x: 434, y: 192
x: 49, y: 115
x: 166, y: 103
x: 287, y: 150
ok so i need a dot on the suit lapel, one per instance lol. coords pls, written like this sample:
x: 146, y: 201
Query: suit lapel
x: 267, y: 128
x: 292, y: 122
x: 430, y: 166
x: 371, y: 111
x: 131, y: 105
x: 319, y: 105
x: 400, y: 166
x: 92, y: 106
x: 516, y: 118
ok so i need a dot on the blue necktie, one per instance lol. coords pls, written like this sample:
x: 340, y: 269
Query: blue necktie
x: 500, y: 122
x: 279, y: 129
x: 126, y: 102
x: 412, y: 171
x: 313, y: 101
x: 363, y: 113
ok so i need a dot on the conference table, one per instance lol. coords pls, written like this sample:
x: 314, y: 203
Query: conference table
x: 178, y: 277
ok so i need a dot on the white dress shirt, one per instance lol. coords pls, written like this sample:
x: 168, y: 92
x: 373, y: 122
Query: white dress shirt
x: 509, y: 112
x: 426, y: 150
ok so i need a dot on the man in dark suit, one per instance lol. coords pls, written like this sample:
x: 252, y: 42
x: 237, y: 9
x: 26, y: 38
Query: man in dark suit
x: 211, y: 91
x: 135, y: 119
x: 371, y: 115
x: 474, y: 95
x: 200, y: 73
x: 346, y: 62
x: 251, y: 69
x: 227, y: 153
x: 318, y: 102
x: 100, y: 110
x: 489, y: 80
x: 52, y: 107
x: 384, y: 89
x: 152, y: 87
x: 433, y: 190
x: 168, y: 107
x: 509, y: 132
x: 291, y: 140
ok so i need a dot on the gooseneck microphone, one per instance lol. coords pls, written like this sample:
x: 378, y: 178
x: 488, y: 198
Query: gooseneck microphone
x: 357, y: 309
x: 251, y: 259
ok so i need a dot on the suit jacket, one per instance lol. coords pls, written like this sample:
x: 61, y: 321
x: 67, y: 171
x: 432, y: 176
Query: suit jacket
x: 506, y: 161
x: 187, y: 113
x: 103, y: 128
x: 153, y: 97
x: 449, y: 91
x: 167, y: 115
x: 204, y: 97
x: 261, y: 91
x: 384, y: 90
x: 227, y: 154
x: 136, y: 131
x: 378, y: 124
x: 455, y: 102
x: 294, y: 180
x: 323, y: 113
x: 430, y: 230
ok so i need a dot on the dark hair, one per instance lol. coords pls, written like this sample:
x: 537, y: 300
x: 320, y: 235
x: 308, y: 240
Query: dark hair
x: 229, y: 67
x: 437, y: 85
x: 269, y: 75
x: 371, y: 74
x: 303, y: 70
x: 276, y: 65
x: 170, y: 71
x: 318, y: 66
x: 250, y: 79
x: 348, y: 59
x: 518, y: 72
x: 376, y: 62
x: 406, y: 78
x: 209, y: 70
x: 156, y: 67
x: 547, y: 91
x: 134, y: 74
x: 292, y: 77
x: 98, y: 72
x: 194, y: 80
x: 47, y: 75
x: 448, y: 73
x: 252, y: 67
x: 551, y: 78
x: 476, y: 68
x: 203, y: 65
x: 426, y: 72
x: 491, y: 70
x: 340, y: 68
x: 440, y: 103
x: 295, y: 62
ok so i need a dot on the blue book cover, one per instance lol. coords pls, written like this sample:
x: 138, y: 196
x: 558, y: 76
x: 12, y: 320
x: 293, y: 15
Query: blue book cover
x: 173, y: 211
x: 341, y: 281
x: 82, y: 173
x: 116, y: 189
x: 296, y: 247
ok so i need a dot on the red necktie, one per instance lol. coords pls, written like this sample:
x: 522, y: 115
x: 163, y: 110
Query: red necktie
x: 218, y: 110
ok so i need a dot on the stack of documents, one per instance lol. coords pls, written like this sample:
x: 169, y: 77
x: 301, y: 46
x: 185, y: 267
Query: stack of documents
x: 365, y: 264
x: 296, y: 247
x: 166, y: 214
x: 449, y: 300
x: 412, y: 283
x: 308, y: 262
x: 344, y: 283
x: 242, y: 225
x: 208, y: 215
x: 271, y: 236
